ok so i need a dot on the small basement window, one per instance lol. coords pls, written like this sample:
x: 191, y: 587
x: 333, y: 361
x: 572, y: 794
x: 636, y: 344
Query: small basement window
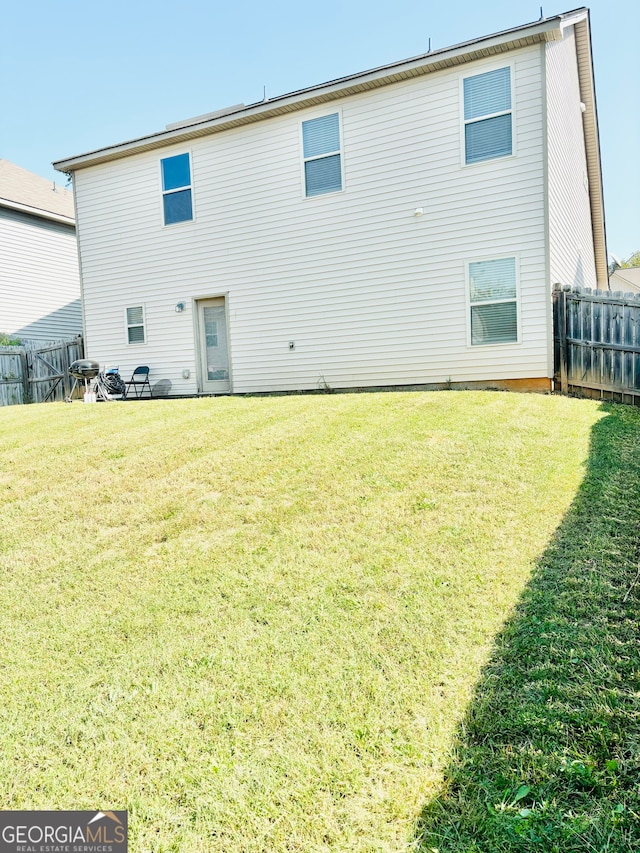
x: 176, y: 189
x: 322, y: 155
x: 488, y: 131
x: 493, y: 301
x: 135, y: 325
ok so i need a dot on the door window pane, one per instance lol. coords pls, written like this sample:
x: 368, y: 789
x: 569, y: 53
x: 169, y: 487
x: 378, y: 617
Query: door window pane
x: 211, y: 333
x: 215, y: 332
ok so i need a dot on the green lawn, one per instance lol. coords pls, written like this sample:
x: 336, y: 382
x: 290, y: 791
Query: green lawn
x: 287, y: 624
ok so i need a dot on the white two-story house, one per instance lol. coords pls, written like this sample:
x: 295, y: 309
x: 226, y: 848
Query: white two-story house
x: 39, y: 278
x: 402, y: 226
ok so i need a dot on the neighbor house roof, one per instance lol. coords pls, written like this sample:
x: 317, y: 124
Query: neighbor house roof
x: 544, y: 30
x: 28, y: 193
x: 626, y: 277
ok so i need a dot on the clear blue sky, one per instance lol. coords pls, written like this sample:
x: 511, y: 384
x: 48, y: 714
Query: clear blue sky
x: 78, y: 75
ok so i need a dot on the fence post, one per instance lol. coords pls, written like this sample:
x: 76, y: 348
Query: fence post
x: 66, y: 384
x: 562, y: 340
x: 24, y: 370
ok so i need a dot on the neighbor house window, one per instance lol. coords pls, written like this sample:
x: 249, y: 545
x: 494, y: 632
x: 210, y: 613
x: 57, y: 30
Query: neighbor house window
x: 176, y: 189
x: 322, y: 155
x: 493, y: 301
x: 135, y: 325
x: 488, y: 131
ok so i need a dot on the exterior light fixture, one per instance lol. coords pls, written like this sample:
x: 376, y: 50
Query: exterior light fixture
x: 180, y: 307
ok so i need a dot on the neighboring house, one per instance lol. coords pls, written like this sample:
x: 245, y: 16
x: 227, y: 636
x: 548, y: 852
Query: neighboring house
x: 626, y: 280
x: 39, y: 279
x: 403, y: 226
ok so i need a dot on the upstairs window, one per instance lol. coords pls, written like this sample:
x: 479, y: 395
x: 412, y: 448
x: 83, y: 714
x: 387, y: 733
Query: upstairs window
x: 176, y: 189
x: 493, y: 301
x: 135, y: 325
x: 322, y: 155
x: 487, y: 116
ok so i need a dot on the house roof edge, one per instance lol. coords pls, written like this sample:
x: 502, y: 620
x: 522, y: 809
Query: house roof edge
x: 592, y: 144
x: 9, y: 204
x: 546, y: 29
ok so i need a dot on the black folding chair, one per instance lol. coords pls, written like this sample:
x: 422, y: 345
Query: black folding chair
x: 139, y: 381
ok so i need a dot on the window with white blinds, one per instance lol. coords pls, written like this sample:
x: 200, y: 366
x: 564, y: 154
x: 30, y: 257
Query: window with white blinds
x: 135, y: 325
x: 493, y: 301
x: 322, y: 155
x: 488, y: 124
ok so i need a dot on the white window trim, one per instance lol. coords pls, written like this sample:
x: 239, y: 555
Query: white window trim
x: 164, y: 192
x: 128, y: 326
x: 303, y: 159
x: 483, y: 69
x: 516, y: 299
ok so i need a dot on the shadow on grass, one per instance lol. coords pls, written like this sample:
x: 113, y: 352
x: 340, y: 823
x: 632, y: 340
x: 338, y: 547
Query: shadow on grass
x: 548, y: 757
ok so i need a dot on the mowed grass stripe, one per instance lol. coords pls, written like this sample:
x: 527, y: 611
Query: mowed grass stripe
x: 256, y: 622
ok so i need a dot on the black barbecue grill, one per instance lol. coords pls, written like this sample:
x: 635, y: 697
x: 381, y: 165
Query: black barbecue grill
x: 84, y: 368
x: 98, y: 385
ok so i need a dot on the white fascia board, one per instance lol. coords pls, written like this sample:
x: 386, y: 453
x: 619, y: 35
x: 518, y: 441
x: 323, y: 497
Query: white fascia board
x: 592, y: 145
x: 546, y: 30
x: 37, y: 211
x: 570, y: 19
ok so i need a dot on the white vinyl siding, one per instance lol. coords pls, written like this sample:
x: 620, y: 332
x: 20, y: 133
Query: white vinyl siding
x: 135, y: 325
x: 322, y: 155
x: 39, y: 278
x: 488, y: 119
x: 368, y: 293
x: 571, y: 255
x: 493, y: 301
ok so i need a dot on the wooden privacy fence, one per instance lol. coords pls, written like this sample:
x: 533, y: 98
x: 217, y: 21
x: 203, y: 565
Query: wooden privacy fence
x: 597, y: 343
x: 37, y: 372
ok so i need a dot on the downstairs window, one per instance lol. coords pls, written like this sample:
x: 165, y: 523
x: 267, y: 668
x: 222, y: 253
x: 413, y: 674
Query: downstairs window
x: 493, y: 301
